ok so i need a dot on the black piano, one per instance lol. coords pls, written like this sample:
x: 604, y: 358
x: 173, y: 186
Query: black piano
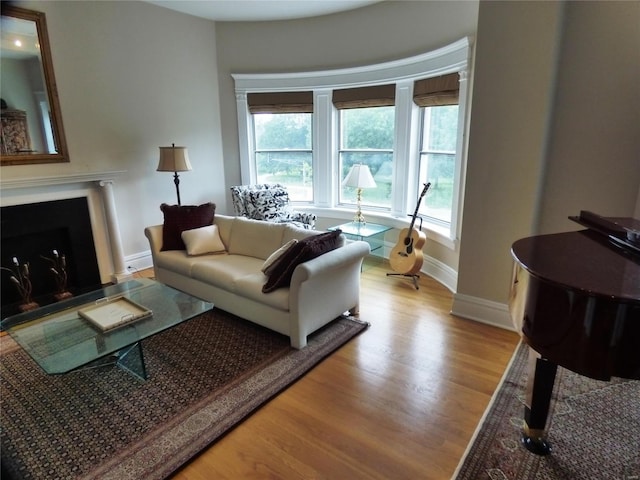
x: 575, y: 299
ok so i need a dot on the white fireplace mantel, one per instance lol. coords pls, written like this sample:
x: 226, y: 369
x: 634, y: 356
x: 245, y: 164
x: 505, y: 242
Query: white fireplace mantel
x: 31, y: 182
x: 104, y: 219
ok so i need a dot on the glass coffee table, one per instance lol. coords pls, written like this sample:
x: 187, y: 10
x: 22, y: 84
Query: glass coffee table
x: 60, y: 340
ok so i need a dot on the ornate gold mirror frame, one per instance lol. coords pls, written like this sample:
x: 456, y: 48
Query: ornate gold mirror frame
x: 31, y: 129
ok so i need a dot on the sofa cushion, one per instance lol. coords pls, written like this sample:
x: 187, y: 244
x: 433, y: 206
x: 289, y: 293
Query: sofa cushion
x: 203, y: 240
x: 250, y: 287
x: 224, y: 224
x: 255, y: 238
x: 276, y: 255
x: 177, y: 261
x: 305, y: 250
x: 178, y: 218
x: 292, y: 231
x: 223, y: 271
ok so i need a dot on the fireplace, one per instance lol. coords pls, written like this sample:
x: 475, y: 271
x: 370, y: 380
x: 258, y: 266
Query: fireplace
x: 91, y: 197
x: 31, y: 232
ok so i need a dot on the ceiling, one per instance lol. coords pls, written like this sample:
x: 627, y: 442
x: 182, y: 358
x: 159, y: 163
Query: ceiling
x: 19, y: 38
x: 260, y: 10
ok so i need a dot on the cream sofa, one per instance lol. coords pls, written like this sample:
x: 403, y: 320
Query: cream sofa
x: 321, y: 289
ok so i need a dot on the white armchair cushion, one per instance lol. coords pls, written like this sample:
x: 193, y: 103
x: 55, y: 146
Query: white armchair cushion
x: 200, y: 241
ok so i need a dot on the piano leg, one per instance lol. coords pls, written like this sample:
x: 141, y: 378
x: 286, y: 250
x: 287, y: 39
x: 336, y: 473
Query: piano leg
x: 542, y: 374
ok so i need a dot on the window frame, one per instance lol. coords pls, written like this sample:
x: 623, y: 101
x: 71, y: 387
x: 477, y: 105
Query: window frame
x: 452, y: 58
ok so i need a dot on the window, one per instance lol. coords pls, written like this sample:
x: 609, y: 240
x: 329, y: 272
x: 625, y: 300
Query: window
x: 404, y: 119
x: 438, y: 160
x: 366, y: 137
x: 283, y: 152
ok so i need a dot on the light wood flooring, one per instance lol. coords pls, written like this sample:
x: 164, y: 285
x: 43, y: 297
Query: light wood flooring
x: 400, y: 401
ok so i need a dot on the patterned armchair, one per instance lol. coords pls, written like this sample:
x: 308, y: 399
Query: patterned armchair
x: 269, y: 202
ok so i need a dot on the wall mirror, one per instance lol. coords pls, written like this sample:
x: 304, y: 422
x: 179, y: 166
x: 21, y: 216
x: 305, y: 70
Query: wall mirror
x: 30, y: 111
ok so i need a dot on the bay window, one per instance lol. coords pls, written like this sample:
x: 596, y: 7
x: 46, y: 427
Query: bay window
x: 405, y: 120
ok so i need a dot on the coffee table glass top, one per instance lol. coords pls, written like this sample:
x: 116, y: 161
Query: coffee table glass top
x: 59, y: 340
x: 362, y: 230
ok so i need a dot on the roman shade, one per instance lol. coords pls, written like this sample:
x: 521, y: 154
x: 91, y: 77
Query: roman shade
x: 280, y: 102
x: 437, y: 91
x: 376, y: 96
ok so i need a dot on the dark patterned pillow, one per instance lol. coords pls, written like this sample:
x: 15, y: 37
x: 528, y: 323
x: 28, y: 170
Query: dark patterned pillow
x: 267, y: 204
x: 177, y: 219
x: 306, y: 249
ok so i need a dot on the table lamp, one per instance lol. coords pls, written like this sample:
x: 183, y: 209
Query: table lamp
x: 174, y: 159
x: 359, y: 177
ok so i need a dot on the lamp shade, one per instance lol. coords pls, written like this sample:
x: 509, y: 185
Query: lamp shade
x: 174, y: 159
x: 359, y: 177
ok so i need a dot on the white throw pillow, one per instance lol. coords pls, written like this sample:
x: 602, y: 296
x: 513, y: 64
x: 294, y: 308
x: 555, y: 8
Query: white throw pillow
x: 203, y: 240
x: 277, y: 254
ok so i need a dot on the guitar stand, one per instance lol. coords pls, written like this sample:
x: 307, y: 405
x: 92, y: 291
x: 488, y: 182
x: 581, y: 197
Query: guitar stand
x: 413, y: 276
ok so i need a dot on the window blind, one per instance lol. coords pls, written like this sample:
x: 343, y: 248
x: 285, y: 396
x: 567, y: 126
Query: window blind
x: 376, y: 96
x: 437, y: 91
x: 280, y: 102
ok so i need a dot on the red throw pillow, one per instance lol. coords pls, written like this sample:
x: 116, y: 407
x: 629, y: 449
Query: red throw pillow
x: 178, y: 218
x: 306, y: 249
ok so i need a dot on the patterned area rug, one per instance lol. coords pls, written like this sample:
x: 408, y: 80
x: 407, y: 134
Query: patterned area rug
x: 205, y: 376
x: 593, y: 427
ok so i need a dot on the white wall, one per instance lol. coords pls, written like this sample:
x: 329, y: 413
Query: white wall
x: 132, y: 77
x: 543, y: 148
x: 594, y: 155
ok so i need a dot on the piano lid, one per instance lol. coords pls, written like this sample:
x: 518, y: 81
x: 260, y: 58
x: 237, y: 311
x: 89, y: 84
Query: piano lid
x: 582, y: 261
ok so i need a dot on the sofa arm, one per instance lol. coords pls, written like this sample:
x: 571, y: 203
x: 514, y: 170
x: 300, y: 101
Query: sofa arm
x: 154, y: 234
x: 350, y: 254
x: 324, y: 288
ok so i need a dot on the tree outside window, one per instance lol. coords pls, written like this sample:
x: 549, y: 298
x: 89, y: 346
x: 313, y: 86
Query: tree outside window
x: 283, y: 152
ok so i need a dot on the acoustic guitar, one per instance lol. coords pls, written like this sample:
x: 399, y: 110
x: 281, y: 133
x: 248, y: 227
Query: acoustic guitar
x: 406, y: 257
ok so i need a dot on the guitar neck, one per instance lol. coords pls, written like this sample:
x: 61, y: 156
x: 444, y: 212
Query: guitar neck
x: 415, y: 212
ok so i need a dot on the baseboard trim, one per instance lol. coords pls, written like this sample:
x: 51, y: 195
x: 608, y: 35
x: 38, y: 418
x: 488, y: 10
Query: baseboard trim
x: 441, y: 272
x: 483, y: 311
x: 138, y: 261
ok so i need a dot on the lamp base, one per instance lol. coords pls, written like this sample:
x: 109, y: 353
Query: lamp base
x: 359, y: 218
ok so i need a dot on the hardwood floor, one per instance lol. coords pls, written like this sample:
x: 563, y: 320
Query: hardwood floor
x: 400, y: 401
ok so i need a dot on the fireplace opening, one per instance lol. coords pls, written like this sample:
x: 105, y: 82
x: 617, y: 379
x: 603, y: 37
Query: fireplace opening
x: 32, y: 233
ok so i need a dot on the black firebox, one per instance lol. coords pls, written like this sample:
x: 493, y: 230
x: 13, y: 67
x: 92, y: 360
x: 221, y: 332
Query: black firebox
x: 32, y: 231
